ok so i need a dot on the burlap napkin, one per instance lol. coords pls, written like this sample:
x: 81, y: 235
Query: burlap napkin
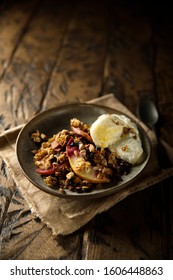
x: 62, y: 215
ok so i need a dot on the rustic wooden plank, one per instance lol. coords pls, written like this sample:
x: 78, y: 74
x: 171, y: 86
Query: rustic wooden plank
x: 163, y: 88
x: 13, y: 21
x: 17, y: 223
x: 26, y: 79
x: 133, y: 229
x: 78, y: 72
x: 127, y: 70
x: 164, y: 79
x: 47, y: 247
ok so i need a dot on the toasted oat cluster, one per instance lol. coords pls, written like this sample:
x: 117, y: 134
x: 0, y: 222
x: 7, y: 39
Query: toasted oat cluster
x: 70, y: 160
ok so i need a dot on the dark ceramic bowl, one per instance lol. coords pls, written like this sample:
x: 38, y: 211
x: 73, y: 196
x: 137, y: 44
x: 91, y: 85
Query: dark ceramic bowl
x: 56, y: 119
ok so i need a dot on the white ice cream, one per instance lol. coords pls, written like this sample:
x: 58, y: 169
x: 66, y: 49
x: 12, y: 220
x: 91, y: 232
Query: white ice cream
x: 119, y: 134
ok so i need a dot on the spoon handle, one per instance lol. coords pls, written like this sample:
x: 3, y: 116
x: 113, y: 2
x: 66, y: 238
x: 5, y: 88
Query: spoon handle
x: 148, y: 113
x: 162, y: 156
x: 161, y: 153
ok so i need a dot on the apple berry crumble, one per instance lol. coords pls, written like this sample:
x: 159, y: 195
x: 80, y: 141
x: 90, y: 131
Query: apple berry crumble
x: 71, y: 159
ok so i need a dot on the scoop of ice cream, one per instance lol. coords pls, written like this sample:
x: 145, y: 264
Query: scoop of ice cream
x: 119, y: 134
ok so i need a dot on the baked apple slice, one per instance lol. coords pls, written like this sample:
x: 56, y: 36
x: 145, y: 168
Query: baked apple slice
x: 83, y: 168
x: 82, y: 133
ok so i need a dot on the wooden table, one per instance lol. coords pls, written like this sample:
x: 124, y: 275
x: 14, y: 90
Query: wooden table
x: 53, y: 52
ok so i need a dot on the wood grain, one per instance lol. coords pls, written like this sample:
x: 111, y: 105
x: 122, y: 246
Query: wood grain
x: 142, y: 216
x: 78, y: 73
x: 164, y: 80
x: 54, y: 52
x: 13, y: 24
x: 26, y: 79
x: 127, y: 70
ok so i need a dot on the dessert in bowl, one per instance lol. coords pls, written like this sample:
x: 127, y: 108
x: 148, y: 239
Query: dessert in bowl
x: 82, y: 150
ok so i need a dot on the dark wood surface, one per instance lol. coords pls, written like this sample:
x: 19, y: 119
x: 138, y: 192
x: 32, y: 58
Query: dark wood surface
x: 53, y: 52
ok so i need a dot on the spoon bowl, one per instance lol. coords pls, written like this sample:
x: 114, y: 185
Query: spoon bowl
x: 148, y: 112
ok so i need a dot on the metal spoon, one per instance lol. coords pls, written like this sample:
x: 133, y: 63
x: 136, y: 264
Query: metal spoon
x: 148, y: 113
